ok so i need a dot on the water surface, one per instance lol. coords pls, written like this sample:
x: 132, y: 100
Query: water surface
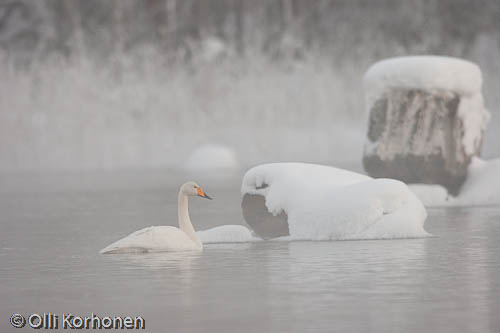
x: 52, y: 228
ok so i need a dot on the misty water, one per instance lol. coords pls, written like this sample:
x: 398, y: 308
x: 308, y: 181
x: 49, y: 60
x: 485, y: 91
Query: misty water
x: 53, y: 226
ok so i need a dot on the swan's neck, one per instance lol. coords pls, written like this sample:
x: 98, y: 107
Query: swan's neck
x: 184, y: 220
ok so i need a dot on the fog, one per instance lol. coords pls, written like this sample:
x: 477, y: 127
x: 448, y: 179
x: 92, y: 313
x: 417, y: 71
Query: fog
x: 92, y: 85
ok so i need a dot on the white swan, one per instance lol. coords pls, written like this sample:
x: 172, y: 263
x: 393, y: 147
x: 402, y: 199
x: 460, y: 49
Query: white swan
x: 165, y: 238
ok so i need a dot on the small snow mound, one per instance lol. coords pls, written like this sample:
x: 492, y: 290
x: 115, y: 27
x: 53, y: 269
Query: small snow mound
x: 227, y: 234
x: 482, y: 187
x: 211, y: 156
x: 424, y: 72
x: 325, y: 203
x: 431, y: 195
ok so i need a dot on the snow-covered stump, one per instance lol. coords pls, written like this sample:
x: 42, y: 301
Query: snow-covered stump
x: 301, y: 201
x: 426, y: 119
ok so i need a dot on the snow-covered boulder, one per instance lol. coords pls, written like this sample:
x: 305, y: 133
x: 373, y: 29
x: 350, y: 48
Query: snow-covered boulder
x: 426, y: 119
x: 312, y: 202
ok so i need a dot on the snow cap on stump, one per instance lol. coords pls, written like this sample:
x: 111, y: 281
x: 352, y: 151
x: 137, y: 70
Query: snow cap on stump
x: 426, y: 119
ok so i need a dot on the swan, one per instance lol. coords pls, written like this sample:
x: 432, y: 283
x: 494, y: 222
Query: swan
x: 165, y: 238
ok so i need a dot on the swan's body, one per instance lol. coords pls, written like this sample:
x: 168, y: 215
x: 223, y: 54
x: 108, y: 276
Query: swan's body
x: 165, y: 238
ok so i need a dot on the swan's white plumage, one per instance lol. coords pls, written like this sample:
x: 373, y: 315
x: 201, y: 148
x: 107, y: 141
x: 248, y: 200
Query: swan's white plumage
x: 165, y: 238
x: 153, y: 239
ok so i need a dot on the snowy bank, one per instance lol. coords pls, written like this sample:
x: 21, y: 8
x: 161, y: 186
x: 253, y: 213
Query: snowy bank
x: 326, y: 203
x: 482, y: 187
x: 210, y: 157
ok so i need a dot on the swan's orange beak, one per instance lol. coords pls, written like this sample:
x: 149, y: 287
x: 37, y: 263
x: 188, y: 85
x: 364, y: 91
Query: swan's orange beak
x: 203, y: 194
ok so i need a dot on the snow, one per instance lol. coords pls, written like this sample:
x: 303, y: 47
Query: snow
x: 434, y: 73
x: 227, y: 234
x: 474, y: 120
x: 211, y: 156
x: 424, y: 72
x: 431, y: 195
x: 482, y: 187
x: 326, y: 203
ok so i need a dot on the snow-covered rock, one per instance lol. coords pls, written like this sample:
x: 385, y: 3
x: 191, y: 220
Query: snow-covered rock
x: 211, y: 156
x: 426, y: 119
x: 432, y: 195
x: 482, y: 187
x: 227, y: 234
x: 265, y: 224
x: 325, y: 203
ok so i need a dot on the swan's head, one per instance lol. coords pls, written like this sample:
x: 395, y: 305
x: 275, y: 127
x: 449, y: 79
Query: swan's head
x: 192, y: 189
